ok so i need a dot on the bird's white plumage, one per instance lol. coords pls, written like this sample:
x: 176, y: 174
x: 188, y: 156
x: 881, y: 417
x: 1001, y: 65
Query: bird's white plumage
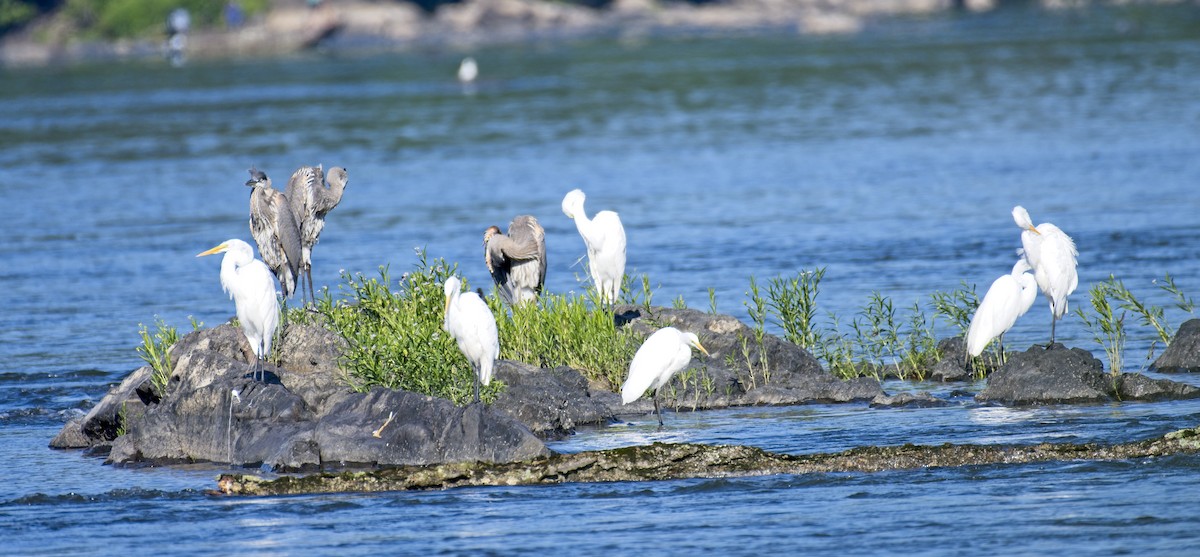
x: 604, y: 236
x: 468, y: 70
x: 251, y: 286
x: 1052, y: 255
x: 473, y: 326
x: 1009, y: 297
x: 659, y: 358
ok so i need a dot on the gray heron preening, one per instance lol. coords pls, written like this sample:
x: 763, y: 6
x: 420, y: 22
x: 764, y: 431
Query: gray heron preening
x: 471, y: 323
x: 1051, y: 254
x: 663, y: 354
x: 275, y: 231
x: 605, y: 239
x: 250, y: 285
x: 517, y: 260
x: 311, y: 200
x: 1007, y: 299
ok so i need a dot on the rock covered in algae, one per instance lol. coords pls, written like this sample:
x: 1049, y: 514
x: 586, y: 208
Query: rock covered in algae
x: 663, y: 461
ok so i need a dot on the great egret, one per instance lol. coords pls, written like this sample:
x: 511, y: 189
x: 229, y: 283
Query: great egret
x: 471, y: 323
x: 663, y: 354
x: 1009, y: 297
x: 249, y: 284
x: 605, y: 239
x: 517, y: 260
x: 1051, y: 254
x: 275, y: 230
x: 311, y: 200
x: 468, y: 70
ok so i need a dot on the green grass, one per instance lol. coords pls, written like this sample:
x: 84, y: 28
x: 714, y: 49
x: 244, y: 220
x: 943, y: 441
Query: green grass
x: 154, y: 351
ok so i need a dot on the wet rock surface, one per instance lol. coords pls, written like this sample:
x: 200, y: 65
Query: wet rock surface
x: 1183, y: 354
x: 1060, y: 375
x: 680, y: 461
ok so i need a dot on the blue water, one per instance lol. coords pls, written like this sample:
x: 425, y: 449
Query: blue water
x: 891, y: 157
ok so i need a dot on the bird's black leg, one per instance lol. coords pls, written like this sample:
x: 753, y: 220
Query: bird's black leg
x: 1053, y: 321
x: 1000, y: 346
x: 657, y: 410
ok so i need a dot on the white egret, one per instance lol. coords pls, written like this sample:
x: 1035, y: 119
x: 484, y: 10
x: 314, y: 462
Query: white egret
x: 274, y: 228
x: 468, y: 70
x: 311, y: 200
x: 1009, y: 297
x: 250, y: 285
x: 1051, y: 254
x: 605, y: 239
x: 470, y: 322
x: 517, y: 260
x: 663, y: 354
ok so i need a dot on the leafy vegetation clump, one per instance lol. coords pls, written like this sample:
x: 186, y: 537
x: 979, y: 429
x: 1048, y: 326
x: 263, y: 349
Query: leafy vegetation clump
x: 154, y: 351
x: 394, y: 337
x: 113, y: 19
x: 564, y: 330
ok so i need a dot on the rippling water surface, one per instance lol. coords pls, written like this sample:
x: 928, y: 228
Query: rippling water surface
x: 892, y: 158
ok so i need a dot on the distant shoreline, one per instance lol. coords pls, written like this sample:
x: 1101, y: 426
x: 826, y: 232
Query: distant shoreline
x: 291, y: 26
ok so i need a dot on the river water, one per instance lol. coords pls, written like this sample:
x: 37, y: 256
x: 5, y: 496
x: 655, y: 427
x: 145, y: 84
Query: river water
x: 891, y: 157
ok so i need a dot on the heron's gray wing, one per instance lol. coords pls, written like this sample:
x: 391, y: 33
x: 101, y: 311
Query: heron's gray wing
x: 261, y: 230
x: 525, y: 239
x: 289, y: 232
x: 499, y: 266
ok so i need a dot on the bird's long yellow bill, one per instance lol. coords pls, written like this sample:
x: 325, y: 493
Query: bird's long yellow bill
x: 700, y: 347
x: 217, y: 249
x: 1034, y: 230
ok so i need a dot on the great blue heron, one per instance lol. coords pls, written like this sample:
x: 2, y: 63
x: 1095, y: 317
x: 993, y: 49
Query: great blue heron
x: 663, y: 354
x: 1007, y: 299
x: 275, y: 230
x: 249, y: 284
x: 1051, y: 254
x: 605, y: 239
x: 311, y: 200
x: 470, y: 322
x: 517, y: 260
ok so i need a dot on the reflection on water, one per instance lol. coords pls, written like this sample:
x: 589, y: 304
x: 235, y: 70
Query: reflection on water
x: 891, y: 158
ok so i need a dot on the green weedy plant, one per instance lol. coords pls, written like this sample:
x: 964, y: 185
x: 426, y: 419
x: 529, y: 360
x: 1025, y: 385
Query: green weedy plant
x: 154, y: 351
x: 1150, y: 315
x: 756, y: 306
x: 1108, y: 330
x: 793, y: 303
x: 395, y: 339
x: 565, y: 330
x: 957, y: 306
x: 712, y: 301
x: 1182, y: 301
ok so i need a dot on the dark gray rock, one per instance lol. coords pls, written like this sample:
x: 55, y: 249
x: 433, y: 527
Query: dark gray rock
x: 1049, y: 375
x: 422, y: 430
x: 953, y: 364
x: 71, y: 436
x: 213, y: 411
x: 1183, y: 355
x: 551, y: 402
x: 102, y: 423
x: 908, y: 400
x: 1060, y: 375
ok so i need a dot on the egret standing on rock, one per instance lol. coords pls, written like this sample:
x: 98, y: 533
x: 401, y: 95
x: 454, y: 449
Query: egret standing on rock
x: 311, y: 200
x: 248, y: 282
x: 663, y: 354
x: 605, y: 239
x: 274, y: 228
x: 517, y: 260
x: 471, y: 323
x: 1051, y: 254
x: 1009, y: 297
